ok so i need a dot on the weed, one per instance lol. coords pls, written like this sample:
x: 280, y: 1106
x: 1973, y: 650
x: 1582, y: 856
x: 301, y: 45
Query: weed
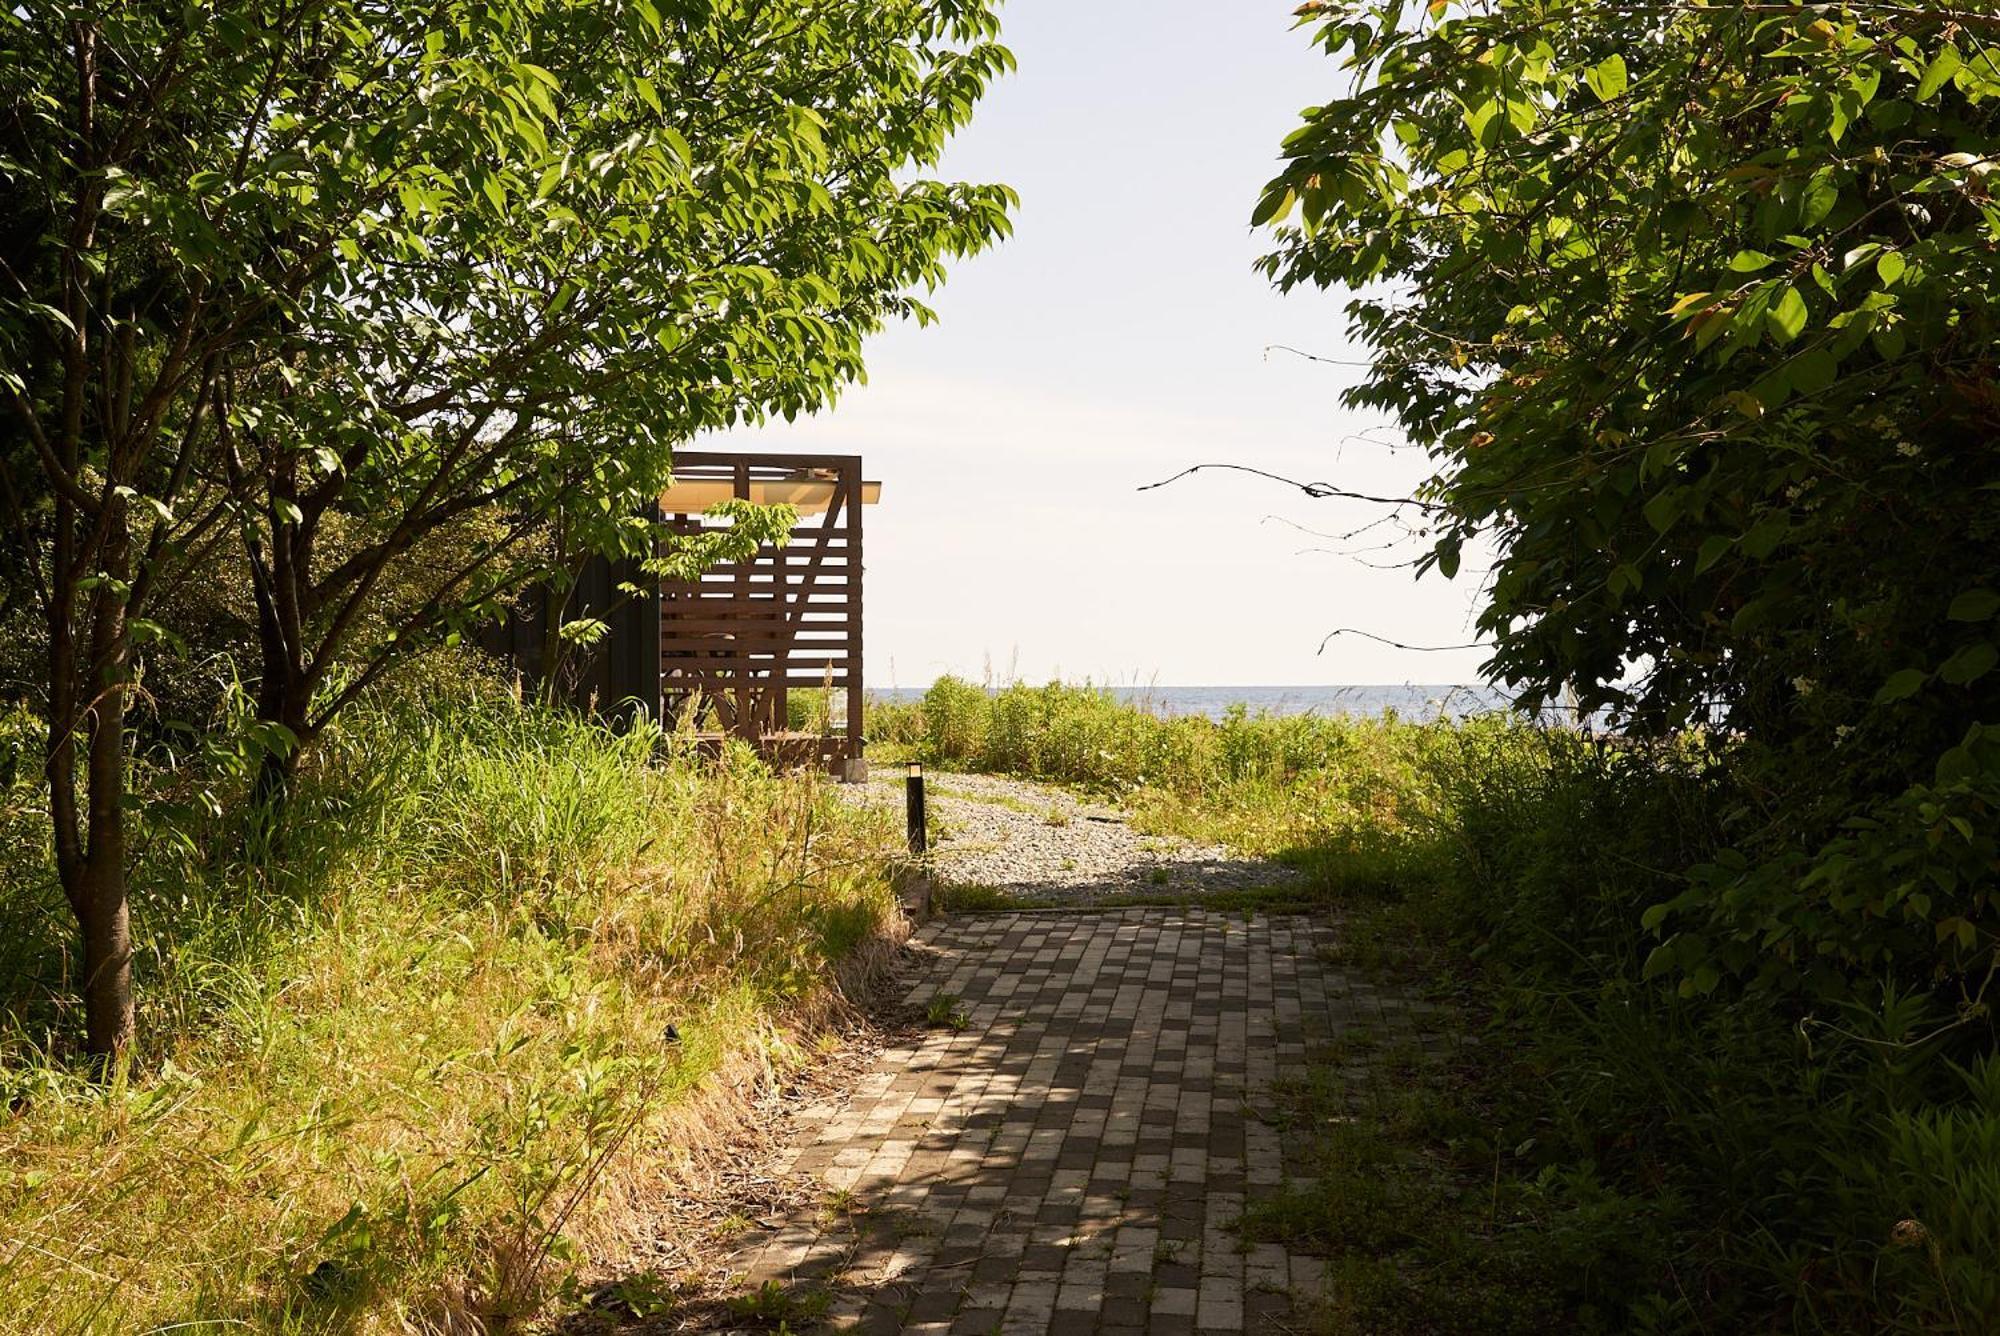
x: 416, y: 1064
x: 773, y: 1305
x: 973, y: 899
x: 944, y: 1011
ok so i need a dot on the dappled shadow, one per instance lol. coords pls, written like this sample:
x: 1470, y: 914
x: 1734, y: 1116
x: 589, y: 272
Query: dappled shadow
x: 1068, y: 1148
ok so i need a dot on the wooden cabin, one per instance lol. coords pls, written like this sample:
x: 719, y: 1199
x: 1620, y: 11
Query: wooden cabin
x: 724, y: 652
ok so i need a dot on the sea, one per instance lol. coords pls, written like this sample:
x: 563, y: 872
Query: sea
x: 1407, y: 700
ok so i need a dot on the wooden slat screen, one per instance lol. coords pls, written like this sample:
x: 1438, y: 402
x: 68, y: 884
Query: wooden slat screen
x: 743, y: 635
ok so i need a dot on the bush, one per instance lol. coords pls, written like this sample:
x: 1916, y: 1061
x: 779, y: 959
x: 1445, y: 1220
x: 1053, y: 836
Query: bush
x: 1775, y: 1163
x: 1627, y: 1145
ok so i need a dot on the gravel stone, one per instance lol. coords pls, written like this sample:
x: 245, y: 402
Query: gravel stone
x: 1040, y: 843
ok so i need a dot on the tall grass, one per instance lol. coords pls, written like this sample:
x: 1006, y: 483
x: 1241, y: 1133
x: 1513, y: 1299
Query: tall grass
x: 1298, y: 787
x: 438, y: 1044
x: 1612, y: 1152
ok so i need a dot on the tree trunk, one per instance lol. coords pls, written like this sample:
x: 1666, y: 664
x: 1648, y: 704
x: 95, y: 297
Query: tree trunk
x: 99, y: 877
x: 284, y: 697
x: 107, y: 944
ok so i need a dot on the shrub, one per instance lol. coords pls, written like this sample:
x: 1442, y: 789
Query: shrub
x: 1626, y: 1145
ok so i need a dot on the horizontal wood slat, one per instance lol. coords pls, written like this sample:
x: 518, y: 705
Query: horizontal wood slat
x: 739, y: 637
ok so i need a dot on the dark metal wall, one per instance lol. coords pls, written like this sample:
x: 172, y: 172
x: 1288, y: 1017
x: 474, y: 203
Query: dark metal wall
x: 619, y: 675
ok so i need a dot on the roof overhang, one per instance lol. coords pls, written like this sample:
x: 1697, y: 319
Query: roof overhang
x: 808, y: 496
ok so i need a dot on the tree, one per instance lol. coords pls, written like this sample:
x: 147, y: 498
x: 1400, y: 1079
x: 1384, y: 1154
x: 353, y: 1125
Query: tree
x: 369, y: 294
x: 1694, y: 306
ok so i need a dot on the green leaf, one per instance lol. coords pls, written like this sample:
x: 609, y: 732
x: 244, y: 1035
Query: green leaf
x: 1658, y: 961
x: 1939, y: 72
x: 1484, y: 122
x: 1889, y: 267
x: 1447, y: 559
x: 1272, y: 208
x: 1970, y: 663
x: 1787, y: 316
x: 1712, y: 549
x: 1814, y: 370
x: 1750, y: 261
x: 1901, y: 685
x: 1608, y: 78
x: 1663, y: 510
x: 1974, y: 605
x: 1820, y: 196
x: 1765, y: 535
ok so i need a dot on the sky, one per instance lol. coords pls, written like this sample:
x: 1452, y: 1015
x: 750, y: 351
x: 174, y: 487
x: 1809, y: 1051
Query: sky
x: 1118, y: 337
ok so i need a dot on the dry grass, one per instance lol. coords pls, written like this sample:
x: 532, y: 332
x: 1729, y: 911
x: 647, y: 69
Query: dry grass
x: 542, y: 981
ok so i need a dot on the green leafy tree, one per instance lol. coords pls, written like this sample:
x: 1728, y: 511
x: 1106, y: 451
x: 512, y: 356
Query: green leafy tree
x: 366, y: 294
x: 1694, y: 306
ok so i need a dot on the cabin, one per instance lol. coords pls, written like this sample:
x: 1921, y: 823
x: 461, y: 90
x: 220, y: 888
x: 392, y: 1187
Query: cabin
x: 723, y: 654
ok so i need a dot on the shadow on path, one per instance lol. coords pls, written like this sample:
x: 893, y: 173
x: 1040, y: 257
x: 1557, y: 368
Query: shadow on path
x: 1073, y: 1156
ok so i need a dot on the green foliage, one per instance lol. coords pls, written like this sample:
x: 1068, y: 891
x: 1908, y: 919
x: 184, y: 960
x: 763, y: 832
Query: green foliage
x: 1603, y: 1150
x: 407, y: 1062
x: 1298, y: 787
x: 382, y: 273
x: 1430, y: 1223
x: 1693, y: 307
x: 1746, y: 1165
x: 407, y: 307
x: 946, y: 1011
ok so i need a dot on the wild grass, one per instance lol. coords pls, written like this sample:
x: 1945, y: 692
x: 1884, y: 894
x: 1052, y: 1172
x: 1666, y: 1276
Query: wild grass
x: 1281, y: 786
x: 433, y: 1050
x: 1612, y: 1152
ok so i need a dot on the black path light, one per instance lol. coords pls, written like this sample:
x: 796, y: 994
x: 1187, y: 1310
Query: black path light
x: 913, y: 803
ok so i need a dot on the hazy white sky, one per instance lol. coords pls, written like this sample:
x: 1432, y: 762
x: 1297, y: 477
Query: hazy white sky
x: 1118, y: 337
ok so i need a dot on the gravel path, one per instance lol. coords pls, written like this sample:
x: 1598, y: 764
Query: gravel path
x: 1042, y: 844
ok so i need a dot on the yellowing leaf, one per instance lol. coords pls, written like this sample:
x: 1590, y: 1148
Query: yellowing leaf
x: 1746, y: 403
x: 1608, y: 78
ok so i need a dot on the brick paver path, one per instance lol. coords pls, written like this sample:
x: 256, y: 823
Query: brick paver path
x: 1073, y: 1159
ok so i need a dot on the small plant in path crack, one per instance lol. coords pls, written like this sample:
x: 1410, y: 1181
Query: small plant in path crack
x: 773, y: 1304
x: 945, y: 1011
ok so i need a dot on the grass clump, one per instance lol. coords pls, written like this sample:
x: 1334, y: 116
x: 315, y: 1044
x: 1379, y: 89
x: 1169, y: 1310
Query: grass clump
x: 1622, y: 1145
x: 434, y: 1049
x: 946, y: 1011
x: 972, y: 898
x: 1283, y: 786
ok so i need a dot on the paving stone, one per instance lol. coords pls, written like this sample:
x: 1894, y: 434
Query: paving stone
x: 1077, y: 1158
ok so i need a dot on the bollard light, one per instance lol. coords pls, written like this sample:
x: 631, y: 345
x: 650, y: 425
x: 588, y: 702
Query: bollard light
x: 913, y: 809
